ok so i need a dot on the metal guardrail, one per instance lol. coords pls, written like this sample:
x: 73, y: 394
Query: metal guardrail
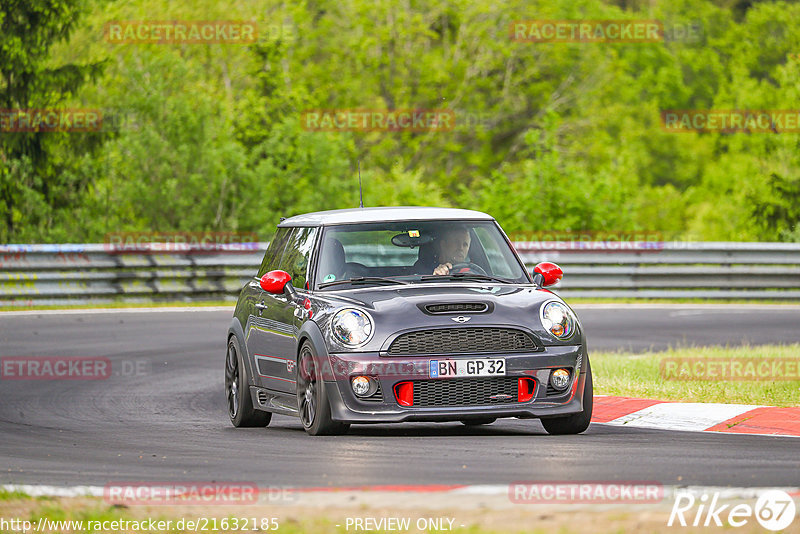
x: 96, y: 273
x: 679, y: 269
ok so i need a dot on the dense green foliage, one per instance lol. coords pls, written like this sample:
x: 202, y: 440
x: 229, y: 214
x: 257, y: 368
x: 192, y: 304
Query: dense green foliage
x: 549, y: 136
x: 41, y: 174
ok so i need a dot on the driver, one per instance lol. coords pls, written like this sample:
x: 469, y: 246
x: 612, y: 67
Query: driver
x: 453, y: 249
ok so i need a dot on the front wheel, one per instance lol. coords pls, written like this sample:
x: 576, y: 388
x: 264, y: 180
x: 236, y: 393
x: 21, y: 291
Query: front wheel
x: 576, y: 423
x: 312, y: 402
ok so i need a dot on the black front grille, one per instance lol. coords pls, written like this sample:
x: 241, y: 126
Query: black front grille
x: 375, y: 397
x: 465, y: 391
x: 462, y: 340
x: 457, y: 307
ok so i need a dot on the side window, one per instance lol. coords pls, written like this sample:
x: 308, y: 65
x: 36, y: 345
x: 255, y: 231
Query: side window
x: 274, y: 251
x: 297, y: 254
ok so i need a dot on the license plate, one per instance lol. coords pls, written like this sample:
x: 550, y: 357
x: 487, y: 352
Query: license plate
x: 468, y: 368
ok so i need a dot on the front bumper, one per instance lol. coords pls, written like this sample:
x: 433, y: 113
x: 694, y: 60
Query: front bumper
x: 389, y: 371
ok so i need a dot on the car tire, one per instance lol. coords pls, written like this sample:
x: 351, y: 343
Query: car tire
x: 237, y: 390
x: 312, y: 400
x: 478, y: 422
x: 576, y: 423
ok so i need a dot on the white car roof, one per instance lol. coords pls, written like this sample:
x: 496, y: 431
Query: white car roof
x: 385, y: 214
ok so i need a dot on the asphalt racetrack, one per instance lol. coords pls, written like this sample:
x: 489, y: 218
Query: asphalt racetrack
x: 161, y: 415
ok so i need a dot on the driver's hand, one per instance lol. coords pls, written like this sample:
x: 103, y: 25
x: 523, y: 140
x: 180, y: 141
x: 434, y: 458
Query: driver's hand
x: 443, y: 268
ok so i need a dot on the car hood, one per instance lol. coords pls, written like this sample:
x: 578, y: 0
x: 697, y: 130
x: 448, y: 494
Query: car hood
x: 396, y: 309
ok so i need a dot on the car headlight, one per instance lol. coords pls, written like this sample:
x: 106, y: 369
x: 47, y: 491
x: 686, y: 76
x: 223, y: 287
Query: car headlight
x: 558, y: 320
x: 351, y: 327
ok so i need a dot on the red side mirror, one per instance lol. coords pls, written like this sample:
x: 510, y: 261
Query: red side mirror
x: 275, y: 281
x: 551, y: 272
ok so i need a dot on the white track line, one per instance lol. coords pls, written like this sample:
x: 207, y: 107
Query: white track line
x: 685, y: 416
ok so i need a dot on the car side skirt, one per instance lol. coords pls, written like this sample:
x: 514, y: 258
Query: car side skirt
x: 273, y: 401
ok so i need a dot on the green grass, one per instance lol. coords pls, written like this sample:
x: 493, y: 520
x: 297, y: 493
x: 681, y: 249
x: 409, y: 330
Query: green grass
x: 6, y: 495
x: 639, y: 375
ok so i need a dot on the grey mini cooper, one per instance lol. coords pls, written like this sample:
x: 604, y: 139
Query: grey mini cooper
x: 385, y: 315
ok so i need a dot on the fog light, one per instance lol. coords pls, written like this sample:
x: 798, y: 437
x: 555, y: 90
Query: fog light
x: 560, y: 379
x: 361, y: 386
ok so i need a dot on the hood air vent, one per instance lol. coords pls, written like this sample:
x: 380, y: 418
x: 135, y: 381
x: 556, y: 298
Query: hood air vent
x: 457, y: 307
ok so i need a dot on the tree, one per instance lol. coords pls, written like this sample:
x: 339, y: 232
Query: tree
x: 36, y: 181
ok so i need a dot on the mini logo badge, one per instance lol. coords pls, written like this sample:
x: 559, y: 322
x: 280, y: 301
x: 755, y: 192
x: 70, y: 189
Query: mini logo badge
x: 500, y: 396
x: 461, y: 319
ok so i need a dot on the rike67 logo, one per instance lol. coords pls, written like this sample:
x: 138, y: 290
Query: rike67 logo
x: 774, y: 510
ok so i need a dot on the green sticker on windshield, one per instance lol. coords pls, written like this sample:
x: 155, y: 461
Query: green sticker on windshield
x: 331, y: 277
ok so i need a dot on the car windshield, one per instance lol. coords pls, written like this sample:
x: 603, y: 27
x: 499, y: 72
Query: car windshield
x: 415, y: 252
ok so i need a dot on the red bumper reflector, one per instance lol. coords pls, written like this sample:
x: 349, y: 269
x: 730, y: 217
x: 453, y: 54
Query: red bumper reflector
x: 404, y: 393
x: 526, y: 387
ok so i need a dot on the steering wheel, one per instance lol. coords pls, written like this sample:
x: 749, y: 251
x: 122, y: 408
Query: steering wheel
x: 467, y: 267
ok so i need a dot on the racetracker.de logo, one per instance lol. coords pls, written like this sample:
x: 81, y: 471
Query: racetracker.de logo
x: 50, y: 120
x: 731, y: 120
x: 54, y: 368
x: 180, y: 242
x: 365, y: 120
x: 181, y: 32
x: 586, y: 31
x: 566, y: 492
x: 188, y: 493
x: 588, y: 241
x: 712, y: 369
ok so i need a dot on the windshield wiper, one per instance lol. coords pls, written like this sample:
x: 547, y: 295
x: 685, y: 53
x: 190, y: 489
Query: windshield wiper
x: 471, y: 276
x: 360, y: 279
